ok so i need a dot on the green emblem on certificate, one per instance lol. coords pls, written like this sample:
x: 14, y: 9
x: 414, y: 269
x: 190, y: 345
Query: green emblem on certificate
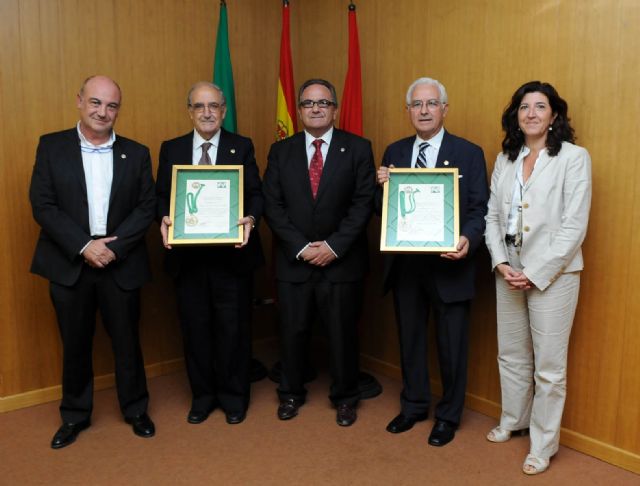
x: 420, y: 211
x: 206, y: 204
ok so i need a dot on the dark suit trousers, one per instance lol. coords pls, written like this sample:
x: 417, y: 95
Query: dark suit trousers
x: 215, y: 317
x: 76, y: 308
x: 338, y: 304
x: 415, y: 295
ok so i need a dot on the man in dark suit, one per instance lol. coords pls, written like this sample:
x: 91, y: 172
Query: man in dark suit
x: 441, y: 283
x: 92, y: 193
x: 214, y: 284
x: 319, y: 187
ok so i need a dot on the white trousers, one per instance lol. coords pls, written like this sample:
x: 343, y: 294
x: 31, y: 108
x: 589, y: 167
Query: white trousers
x: 533, y: 340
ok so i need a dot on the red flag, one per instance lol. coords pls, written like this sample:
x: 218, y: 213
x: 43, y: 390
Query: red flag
x: 286, y: 121
x: 351, y: 111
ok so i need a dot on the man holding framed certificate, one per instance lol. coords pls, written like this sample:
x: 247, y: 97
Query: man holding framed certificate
x: 443, y: 283
x: 214, y: 282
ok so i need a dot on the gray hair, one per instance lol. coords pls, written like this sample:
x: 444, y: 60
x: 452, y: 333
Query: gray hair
x: 201, y: 84
x: 431, y: 82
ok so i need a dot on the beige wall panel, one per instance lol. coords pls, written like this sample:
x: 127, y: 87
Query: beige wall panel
x: 482, y: 50
x: 155, y: 50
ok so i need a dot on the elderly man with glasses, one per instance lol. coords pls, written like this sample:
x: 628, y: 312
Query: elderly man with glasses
x: 439, y: 283
x: 214, y: 285
x: 319, y: 187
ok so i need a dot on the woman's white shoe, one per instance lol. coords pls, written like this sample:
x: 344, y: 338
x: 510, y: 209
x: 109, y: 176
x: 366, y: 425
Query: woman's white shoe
x: 534, y: 465
x: 499, y: 435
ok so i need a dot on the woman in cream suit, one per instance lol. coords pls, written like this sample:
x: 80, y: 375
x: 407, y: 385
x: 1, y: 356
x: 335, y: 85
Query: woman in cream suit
x: 536, y: 222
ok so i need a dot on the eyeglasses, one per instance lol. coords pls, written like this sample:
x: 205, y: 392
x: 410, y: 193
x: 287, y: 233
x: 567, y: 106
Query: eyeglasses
x: 431, y: 104
x: 320, y: 103
x: 199, y: 107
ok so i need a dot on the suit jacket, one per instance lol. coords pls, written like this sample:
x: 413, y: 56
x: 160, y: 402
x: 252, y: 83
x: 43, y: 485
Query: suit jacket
x: 555, y: 213
x: 339, y: 214
x: 233, y: 150
x: 58, y: 196
x: 454, y: 279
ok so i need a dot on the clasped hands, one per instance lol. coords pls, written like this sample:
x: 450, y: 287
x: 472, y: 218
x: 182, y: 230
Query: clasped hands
x: 247, y: 222
x: 318, y: 253
x: 515, y: 280
x: 97, y: 254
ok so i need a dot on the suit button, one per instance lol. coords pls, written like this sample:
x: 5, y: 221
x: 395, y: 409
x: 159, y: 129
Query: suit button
x: 526, y: 228
x: 525, y: 205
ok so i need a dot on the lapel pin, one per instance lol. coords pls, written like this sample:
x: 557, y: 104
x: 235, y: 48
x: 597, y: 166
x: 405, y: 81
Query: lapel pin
x: 233, y: 151
x: 446, y: 162
x: 123, y: 156
x: 342, y: 149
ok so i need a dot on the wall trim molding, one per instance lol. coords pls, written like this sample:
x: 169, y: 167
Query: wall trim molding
x: 569, y: 438
x: 53, y: 393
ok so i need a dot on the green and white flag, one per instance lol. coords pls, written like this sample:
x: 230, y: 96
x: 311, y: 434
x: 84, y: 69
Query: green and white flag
x: 222, y: 71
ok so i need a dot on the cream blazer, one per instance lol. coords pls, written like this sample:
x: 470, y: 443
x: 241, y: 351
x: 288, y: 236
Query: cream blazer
x: 555, y: 212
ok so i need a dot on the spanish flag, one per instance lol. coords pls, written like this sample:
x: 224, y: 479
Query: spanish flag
x: 286, y: 121
x: 351, y: 111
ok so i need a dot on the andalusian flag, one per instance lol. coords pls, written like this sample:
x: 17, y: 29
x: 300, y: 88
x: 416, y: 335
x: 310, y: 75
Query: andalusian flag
x: 351, y: 111
x: 286, y: 121
x: 222, y: 71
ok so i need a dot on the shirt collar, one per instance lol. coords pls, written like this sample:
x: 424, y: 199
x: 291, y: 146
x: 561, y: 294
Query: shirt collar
x: 108, y: 145
x: 435, y: 141
x: 198, y: 140
x: 326, y: 137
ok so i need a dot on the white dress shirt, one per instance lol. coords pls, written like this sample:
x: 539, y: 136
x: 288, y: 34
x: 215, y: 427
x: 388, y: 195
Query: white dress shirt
x: 311, y: 149
x: 97, y: 161
x: 431, y: 152
x: 324, y: 148
x: 197, y: 147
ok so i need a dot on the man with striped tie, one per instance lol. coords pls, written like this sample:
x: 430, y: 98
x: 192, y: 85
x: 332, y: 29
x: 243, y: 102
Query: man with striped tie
x: 444, y: 283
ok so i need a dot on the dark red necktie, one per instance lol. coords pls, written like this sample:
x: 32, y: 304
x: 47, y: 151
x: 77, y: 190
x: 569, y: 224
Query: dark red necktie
x: 315, y: 167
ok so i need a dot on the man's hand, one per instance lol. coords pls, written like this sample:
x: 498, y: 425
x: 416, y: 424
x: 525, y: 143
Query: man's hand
x: 383, y: 174
x: 97, y: 255
x: 248, y: 222
x: 318, y: 253
x: 515, y: 280
x: 463, y: 250
x: 164, y: 231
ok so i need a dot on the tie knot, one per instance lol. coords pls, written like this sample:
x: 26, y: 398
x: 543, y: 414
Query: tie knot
x: 317, y: 143
x: 205, y: 146
x: 423, y: 146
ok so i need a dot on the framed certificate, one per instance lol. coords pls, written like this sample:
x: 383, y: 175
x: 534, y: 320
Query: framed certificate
x: 420, y: 211
x: 206, y: 203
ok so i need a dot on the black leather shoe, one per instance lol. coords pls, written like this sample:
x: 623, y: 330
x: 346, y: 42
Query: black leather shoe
x: 402, y: 423
x: 442, y: 433
x: 142, y: 425
x: 288, y: 408
x: 236, y: 417
x: 198, y: 416
x: 346, y: 415
x: 67, y: 434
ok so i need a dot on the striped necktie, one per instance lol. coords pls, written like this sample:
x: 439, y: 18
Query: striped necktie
x: 421, y: 161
